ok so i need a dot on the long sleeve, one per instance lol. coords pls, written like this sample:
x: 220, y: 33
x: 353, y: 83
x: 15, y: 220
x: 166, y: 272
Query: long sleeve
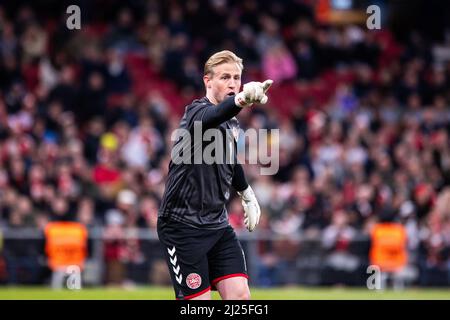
x: 239, y: 181
x: 211, y: 116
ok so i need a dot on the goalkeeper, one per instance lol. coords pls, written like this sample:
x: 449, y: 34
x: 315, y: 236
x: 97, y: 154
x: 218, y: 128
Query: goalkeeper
x: 202, y: 250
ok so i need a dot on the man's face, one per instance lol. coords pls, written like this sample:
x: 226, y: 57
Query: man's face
x: 224, y: 82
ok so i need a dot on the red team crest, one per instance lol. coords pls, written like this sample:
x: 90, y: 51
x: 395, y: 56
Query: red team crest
x: 193, y: 281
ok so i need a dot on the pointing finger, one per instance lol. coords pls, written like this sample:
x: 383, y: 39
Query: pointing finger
x: 267, y: 84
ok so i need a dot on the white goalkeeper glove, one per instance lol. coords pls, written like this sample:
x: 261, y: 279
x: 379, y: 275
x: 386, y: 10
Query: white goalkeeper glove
x: 253, y: 92
x: 252, y: 211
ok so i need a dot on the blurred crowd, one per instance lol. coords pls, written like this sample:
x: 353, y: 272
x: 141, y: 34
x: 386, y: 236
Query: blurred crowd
x: 86, y: 118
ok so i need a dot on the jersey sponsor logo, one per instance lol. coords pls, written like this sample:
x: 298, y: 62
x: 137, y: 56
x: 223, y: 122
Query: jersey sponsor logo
x: 193, y: 280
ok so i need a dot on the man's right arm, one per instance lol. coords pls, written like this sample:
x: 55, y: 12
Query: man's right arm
x: 212, y: 116
x: 253, y: 92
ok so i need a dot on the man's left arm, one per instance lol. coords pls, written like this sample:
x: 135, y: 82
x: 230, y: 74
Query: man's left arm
x: 252, y: 211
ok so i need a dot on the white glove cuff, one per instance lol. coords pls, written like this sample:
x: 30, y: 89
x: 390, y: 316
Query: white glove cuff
x: 240, y: 101
x: 247, y: 194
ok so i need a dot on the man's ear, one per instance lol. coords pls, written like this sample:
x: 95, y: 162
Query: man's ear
x: 207, y: 81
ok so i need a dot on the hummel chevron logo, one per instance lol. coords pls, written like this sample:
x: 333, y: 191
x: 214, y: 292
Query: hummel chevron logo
x: 171, y: 252
x: 176, y: 270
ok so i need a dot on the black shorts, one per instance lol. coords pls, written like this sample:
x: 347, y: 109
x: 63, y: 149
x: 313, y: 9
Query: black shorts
x: 199, y: 258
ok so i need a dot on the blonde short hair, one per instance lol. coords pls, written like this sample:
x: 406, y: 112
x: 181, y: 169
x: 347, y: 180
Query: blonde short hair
x: 220, y: 57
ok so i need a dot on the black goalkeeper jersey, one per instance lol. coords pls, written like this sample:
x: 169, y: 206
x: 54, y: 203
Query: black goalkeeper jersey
x: 196, y: 192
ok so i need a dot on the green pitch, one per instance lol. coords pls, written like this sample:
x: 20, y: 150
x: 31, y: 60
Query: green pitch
x: 165, y: 293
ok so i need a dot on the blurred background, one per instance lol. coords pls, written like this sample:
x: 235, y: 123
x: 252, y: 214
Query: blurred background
x: 86, y: 117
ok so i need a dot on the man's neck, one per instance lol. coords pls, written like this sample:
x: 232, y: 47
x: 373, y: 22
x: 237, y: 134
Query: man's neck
x: 211, y: 99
